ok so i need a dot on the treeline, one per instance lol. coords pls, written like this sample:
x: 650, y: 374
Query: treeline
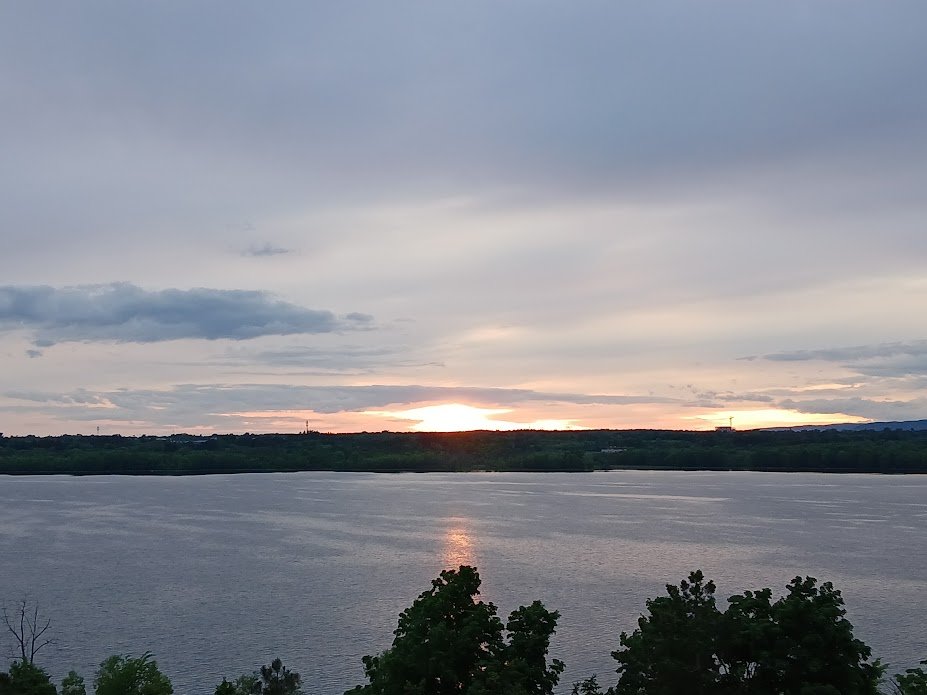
x: 448, y: 642
x: 888, y: 451
x: 128, y: 675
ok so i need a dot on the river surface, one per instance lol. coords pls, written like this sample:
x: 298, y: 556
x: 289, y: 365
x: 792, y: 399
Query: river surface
x: 216, y: 575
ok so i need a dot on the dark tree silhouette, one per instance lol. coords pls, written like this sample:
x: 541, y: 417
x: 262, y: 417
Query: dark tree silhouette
x: 447, y: 642
x: 800, y: 644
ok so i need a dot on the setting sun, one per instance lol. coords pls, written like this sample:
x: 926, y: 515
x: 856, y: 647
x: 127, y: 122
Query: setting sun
x: 456, y: 417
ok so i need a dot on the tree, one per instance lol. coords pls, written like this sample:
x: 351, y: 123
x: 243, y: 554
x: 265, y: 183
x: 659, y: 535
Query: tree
x: 806, y: 644
x: 673, y: 650
x: 73, y: 684
x: 27, y: 628
x: 589, y: 686
x: 522, y: 666
x: 277, y: 679
x: 447, y: 642
x: 800, y: 644
x: 912, y: 682
x: 243, y: 685
x: 125, y: 675
x: 25, y: 678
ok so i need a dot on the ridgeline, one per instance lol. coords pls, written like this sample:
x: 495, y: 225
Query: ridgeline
x: 834, y: 451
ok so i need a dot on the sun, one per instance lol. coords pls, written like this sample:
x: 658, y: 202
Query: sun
x: 457, y: 417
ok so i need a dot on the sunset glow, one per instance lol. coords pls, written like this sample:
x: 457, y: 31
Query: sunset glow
x: 456, y: 417
x: 773, y: 417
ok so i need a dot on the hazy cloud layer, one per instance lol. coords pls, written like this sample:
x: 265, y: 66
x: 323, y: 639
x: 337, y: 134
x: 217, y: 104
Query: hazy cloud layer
x: 322, y: 399
x: 126, y: 313
x: 346, y: 359
x: 226, y: 406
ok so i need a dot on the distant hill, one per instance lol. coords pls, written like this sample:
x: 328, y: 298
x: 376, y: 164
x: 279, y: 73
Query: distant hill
x: 909, y: 425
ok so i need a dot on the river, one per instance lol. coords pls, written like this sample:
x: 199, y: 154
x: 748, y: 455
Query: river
x: 216, y: 575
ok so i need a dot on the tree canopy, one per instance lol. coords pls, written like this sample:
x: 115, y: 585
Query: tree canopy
x: 126, y: 675
x: 801, y: 644
x: 447, y: 642
x: 25, y: 678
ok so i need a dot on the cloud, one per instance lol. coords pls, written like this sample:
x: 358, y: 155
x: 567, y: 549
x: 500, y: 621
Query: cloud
x: 344, y: 359
x: 889, y: 360
x: 126, y: 313
x: 850, y: 354
x: 266, y: 249
x: 188, y: 405
x: 872, y: 409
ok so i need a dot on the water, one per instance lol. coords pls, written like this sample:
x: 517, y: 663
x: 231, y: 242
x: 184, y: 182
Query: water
x: 217, y: 575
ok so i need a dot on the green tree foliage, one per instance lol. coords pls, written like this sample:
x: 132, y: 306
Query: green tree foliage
x: 524, y: 658
x: 800, y: 644
x: 589, y: 686
x: 888, y: 451
x: 277, y: 679
x: 673, y: 649
x: 73, y: 684
x: 243, y: 685
x: 449, y: 642
x: 126, y: 675
x: 25, y: 678
x: 912, y: 682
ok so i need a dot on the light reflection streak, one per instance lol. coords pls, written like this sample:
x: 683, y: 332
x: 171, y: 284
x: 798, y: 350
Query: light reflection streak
x: 457, y: 548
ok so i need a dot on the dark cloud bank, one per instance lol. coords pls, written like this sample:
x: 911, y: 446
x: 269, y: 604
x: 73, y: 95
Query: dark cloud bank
x: 126, y: 313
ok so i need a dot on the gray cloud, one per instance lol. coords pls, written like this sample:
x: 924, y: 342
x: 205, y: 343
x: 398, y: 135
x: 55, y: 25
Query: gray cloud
x: 880, y: 410
x: 888, y: 360
x: 634, y: 93
x: 266, y: 249
x: 125, y: 313
x: 344, y: 359
x: 903, y: 366
x: 852, y: 354
x: 187, y: 405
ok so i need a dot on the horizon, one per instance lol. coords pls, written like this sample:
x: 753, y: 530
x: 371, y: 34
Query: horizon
x: 720, y: 428
x: 408, y: 217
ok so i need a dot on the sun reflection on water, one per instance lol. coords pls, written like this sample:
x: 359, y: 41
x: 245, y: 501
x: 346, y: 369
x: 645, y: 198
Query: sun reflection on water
x: 457, y: 548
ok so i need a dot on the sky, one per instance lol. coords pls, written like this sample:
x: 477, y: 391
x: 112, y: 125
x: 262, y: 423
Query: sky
x: 359, y: 216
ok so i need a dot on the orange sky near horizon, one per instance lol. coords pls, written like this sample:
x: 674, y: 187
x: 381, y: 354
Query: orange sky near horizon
x: 456, y: 417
